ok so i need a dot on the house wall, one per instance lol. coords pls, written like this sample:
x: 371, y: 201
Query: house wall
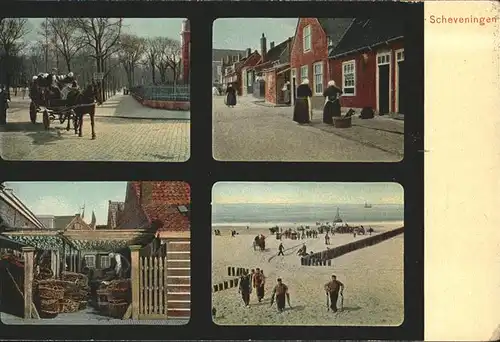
x: 215, y: 75
x: 318, y: 52
x: 270, y: 87
x: 133, y: 215
x: 12, y: 217
x: 366, y: 78
x: 244, y: 86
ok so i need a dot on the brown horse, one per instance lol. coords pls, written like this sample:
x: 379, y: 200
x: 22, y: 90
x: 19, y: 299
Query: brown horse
x: 85, y: 104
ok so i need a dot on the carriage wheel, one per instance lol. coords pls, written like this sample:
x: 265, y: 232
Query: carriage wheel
x: 33, y: 113
x: 46, y: 121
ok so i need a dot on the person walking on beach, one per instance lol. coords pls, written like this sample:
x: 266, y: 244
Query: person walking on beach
x: 245, y: 289
x: 332, y: 289
x: 260, y: 281
x: 327, y: 239
x: 280, y: 292
x: 281, y: 249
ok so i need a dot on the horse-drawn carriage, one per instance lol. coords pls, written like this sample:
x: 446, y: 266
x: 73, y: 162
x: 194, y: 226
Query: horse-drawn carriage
x: 60, y: 98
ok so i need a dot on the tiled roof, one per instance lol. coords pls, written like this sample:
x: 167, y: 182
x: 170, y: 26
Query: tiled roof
x: 61, y: 222
x: 170, y: 217
x: 172, y: 193
x: 218, y: 54
x: 335, y: 28
x: 366, y: 33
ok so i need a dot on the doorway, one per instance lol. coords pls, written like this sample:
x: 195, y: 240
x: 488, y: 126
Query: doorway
x: 383, y: 83
x: 400, y: 81
x: 293, y: 88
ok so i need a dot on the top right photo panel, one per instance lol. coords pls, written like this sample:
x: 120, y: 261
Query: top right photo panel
x: 309, y: 89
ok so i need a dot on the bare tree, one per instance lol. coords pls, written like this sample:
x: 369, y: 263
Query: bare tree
x: 152, y: 55
x: 168, y: 57
x: 102, y: 35
x: 11, y: 33
x: 173, y: 57
x: 64, y: 37
x: 131, y: 53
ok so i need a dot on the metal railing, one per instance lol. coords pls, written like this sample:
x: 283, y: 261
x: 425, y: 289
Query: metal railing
x: 178, y: 92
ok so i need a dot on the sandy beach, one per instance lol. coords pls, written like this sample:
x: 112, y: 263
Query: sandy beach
x: 373, y: 277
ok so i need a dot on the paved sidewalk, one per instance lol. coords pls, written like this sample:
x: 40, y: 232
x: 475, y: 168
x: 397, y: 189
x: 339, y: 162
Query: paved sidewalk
x: 383, y: 133
x: 126, y: 107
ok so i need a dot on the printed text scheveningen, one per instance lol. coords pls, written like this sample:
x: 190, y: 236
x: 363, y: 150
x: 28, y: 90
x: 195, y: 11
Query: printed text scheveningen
x: 442, y: 19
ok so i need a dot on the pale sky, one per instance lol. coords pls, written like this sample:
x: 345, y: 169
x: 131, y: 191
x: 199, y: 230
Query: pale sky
x: 143, y: 27
x: 67, y: 198
x: 243, y: 33
x: 307, y: 193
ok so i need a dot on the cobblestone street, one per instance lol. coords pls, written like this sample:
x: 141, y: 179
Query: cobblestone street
x: 254, y: 132
x: 125, y: 130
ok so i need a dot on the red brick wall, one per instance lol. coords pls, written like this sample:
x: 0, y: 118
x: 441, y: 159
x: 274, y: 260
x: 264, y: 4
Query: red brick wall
x: 366, y: 78
x: 168, y: 105
x: 270, y: 87
x: 319, y: 51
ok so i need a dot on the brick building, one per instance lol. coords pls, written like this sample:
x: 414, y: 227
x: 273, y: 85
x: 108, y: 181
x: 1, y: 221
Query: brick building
x: 14, y: 214
x: 309, y: 56
x: 219, y: 56
x: 369, y: 65
x: 233, y: 69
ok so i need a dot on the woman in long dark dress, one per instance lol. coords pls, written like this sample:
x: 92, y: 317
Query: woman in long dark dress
x: 302, y: 108
x: 332, y: 102
x: 230, y: 96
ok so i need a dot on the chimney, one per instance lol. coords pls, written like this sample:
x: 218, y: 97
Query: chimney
x: 146, y: 192
x: 263, y: 47
x: 248, y: 52
x: 271, y: 45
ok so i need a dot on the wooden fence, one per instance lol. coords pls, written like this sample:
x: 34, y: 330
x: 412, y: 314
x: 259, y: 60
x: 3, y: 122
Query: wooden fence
x: 344, y: 249
x: 161, y: 286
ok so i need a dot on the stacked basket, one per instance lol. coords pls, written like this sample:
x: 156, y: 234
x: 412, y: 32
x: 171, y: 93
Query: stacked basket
x: 77, y: 292
x: 50, y: 294
x: 119, y: 297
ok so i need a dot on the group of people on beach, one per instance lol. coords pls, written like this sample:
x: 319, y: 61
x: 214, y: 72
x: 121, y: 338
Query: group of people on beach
x: 256, y: 280
x: 259, y: 241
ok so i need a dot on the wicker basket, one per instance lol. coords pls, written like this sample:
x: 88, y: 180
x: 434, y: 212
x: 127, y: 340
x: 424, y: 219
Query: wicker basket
x: 46, y: 292
x: 48, y: 314
x: 68, y: 305
x: 341, y: 122
x: 83, y: 305
x: 117, y: 308
x: 119, y: 294
x: 49, y: 305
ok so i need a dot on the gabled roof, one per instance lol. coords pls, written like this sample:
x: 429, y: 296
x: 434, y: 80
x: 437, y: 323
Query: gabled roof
x: 12, y: 200
x: 335, y: 28
x: 61, y: 222
x: 164, y: 204
x: 78, y: 219
x: 279, y: 52
x: 165, y: 192
x: 364, y: 34
x: 218, y: 54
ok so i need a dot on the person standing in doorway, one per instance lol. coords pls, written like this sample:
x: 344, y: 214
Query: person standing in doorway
x: 302, y: 110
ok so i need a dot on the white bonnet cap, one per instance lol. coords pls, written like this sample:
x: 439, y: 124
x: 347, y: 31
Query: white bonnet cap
x: 305, y: 81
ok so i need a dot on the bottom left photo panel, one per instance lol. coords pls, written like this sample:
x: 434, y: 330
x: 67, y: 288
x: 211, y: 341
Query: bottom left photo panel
x: 95, y: 252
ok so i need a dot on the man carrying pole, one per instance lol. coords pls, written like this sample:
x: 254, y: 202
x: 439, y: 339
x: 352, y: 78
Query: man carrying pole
x: 332, y: 289
x: 280, y: 291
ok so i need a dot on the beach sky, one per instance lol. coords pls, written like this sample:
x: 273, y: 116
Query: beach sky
x: 306, y: 193
x: 68, y: 198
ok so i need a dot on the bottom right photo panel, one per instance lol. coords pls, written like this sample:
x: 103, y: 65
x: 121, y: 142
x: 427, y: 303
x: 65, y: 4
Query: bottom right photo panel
x: 308, y: 253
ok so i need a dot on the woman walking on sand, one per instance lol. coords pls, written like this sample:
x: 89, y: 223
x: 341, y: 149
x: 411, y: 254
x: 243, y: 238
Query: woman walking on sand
x: 302, y: 111
x: 230, y: 96
x: 331, y: 108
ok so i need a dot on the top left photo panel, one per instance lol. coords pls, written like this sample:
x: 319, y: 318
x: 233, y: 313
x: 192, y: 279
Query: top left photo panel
x: 95, y: 89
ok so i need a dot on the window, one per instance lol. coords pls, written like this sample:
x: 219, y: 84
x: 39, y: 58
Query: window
x: 318, y: 78
x: 219, y: 70
x: 400, y: 55
x: 304, y: 73
x: 249, y: 78
x: 349, y: 78
x: 90, y: 261
x: 384, y: 59
x: 306, y: 38
x: 105, y: 262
